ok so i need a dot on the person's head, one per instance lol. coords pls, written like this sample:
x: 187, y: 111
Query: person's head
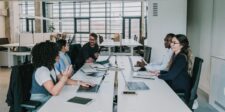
x: 180, y: 44
x: 62, y: 45
x: 45, y: 54
x: 93, y: 39
x: 168, y: 40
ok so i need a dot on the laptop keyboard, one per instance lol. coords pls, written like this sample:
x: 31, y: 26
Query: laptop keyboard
x: 137, y: 86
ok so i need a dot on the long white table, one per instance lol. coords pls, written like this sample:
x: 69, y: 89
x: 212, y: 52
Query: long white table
x: 124, y: 42
x: 11, y: 54
x: 102, y: 101
x: 160, y: 97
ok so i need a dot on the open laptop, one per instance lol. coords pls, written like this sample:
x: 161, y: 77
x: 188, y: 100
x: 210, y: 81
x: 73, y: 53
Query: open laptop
x: 138, y: 73
x: 87, y: 69
x: 91, y: 89
x: 134, y: 68
x: 134, y: 85
x: 104, y: 61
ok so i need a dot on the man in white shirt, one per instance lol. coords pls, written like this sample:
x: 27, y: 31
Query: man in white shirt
x: 166, y: 57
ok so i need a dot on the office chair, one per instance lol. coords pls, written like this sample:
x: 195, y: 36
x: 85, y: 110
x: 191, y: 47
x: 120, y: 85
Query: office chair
x: 100, y: 39
x: 74, y: 52
x: 103, y: 48
x: 195, y: 81
x: 18, y: 96
x: 147, y: 53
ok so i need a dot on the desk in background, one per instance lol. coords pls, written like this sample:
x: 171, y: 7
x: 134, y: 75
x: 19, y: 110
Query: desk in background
x: 11, y: 53
x: 124, y: 42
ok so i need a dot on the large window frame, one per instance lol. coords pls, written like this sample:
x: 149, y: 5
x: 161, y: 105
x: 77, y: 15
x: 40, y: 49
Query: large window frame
x: 66, y: 14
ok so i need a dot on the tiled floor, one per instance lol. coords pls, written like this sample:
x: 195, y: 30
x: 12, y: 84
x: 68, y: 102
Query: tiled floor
x: 4, y: 82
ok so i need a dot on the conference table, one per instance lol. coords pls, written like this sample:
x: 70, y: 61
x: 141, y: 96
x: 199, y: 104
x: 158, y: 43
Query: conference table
x: 124, y: 42
x: 159, y: 98
x: 13, y: 53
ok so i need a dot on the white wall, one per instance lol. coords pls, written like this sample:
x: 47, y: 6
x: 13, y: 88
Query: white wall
x: 206, y: 29
x: 199, y: 31
x: 217, y: 95
x: 2, y: 21
x: 171, y: 19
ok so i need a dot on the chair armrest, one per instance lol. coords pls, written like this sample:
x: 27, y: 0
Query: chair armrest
x: 181, y: 95
x: 31, y: 105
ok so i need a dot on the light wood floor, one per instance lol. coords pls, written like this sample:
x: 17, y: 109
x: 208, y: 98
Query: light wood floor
x: 4, y: 83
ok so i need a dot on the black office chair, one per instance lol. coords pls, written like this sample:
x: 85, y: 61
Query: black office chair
x: 147, y: 53
x: 195, y: 81
x: 74, y: 53
x: 18, y: 96
x: 102, y: 48
x: 100, y: 39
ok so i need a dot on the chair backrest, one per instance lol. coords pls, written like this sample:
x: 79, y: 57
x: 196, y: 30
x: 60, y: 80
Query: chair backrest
x: 195, y: 79
x: 20, y: 86
x: 74, y: 52
x: 3, y: 41
x: 147, y: 53
x: 100, y: 39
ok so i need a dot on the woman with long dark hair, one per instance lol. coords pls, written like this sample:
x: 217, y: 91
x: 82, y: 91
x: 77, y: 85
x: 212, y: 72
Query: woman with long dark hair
x: 180, y: 66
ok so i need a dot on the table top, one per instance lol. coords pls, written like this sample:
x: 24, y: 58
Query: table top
x: 159, y: 98
x: 125, y: 42
x: 17, y: 45
x: 102, y: 100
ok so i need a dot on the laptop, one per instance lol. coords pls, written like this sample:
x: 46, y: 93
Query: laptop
x: 134, y: 85
x: 87, y: 69
x: 139, y: 72
x: 104, y: 61
x: 92, y: 89
x: 134, y: 68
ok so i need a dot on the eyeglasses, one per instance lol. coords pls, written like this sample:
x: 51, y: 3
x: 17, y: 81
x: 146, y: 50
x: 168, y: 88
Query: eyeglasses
x: 174, y: 43
x: 92, y: 39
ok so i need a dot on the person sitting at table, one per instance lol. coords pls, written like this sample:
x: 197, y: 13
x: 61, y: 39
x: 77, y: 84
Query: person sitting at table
x: 166, y: 57
x: 47, y: 81
x: 90, y: 51
x: 180, y: 66
x: 64, y: 59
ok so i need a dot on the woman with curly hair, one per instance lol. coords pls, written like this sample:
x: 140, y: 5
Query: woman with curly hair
x: 180, y: 66
x: 47, y: 81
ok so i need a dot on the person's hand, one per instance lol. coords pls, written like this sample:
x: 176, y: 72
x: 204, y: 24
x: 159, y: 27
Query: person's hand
x: 140, y: 64
x: 68, y: 71
x: 96, y: 55
x: 155, y: 73
x: 85, y: 84
x: 90, y: 60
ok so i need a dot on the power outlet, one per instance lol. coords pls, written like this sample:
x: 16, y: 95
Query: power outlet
x: 224, y: 91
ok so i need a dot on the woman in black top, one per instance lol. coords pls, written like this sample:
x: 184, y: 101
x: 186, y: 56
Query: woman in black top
x: 178, y: 75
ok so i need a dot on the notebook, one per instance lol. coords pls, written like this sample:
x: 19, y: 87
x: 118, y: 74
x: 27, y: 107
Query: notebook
x: 79, y: 100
